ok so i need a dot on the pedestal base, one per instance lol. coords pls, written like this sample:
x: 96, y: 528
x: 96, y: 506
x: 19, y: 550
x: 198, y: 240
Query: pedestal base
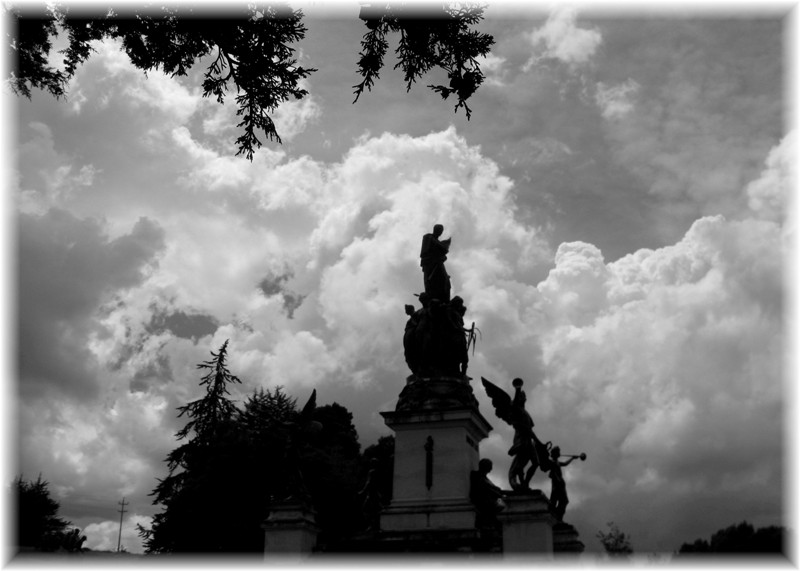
x: 290, y: 529
x: 527, y: 524
x: 566, y: 540
x: 428, y: 515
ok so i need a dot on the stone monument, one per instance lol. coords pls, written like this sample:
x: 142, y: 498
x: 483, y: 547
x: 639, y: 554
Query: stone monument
x: 436, y: 421
x: 442, y: 498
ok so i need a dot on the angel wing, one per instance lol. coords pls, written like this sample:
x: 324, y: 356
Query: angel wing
x: 501, y: 401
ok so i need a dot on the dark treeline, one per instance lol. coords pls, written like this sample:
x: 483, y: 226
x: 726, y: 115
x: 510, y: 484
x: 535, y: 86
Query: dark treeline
x: 233, y: 461
x: 739, y: 538
x: 38, y: 525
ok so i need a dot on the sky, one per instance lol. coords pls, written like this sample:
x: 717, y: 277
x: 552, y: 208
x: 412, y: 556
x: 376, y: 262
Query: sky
x: 618, y: 211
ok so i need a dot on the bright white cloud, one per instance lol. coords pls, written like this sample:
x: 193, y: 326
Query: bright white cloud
x: 768, y: 196
x: 560, y: 38
x: 292, y: 117
x: 667, y: 363
x: 105, y: 535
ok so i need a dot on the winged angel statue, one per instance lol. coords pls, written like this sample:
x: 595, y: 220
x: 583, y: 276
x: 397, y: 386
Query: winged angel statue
x: 528, y: 452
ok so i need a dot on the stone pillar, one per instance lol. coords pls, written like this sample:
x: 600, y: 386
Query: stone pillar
x: 290, y: 529
x: 566, y: 540
x: 527, y: 524
x: 435, y: 451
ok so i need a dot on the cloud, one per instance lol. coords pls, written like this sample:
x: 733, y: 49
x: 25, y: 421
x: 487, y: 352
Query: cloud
x: 128, y: 321
x: 665, y: 366
x: 68, y: 269
x: 644, y: 362
x: 492, y: 68
x: 105, y: 535
x: 110, y: 68
x: 615, y: 101
x: 768, y: 196
x: 561, y: 39
x: 51, y: 177
x: 679, y: 140
x: 292, y: 117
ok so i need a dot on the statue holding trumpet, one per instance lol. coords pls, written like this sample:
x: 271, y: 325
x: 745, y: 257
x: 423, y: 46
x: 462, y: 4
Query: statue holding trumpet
x: 528, y: 452
x: 558, y: 491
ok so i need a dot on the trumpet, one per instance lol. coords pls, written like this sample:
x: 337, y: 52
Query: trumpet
x: 582, y: 456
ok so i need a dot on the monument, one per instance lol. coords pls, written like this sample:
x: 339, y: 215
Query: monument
x: 436, y: 421
x: 442, y: 497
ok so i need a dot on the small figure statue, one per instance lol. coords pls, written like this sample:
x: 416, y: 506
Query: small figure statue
x: 371, y: 498
x: 527, y: 449
x: 432, y: 257
x: 487, y: 497
x: 558, y: 491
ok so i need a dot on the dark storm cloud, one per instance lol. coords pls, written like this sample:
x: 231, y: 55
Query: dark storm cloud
x: 67, y: 268
x: 275, y: 285
x: 186, y: 325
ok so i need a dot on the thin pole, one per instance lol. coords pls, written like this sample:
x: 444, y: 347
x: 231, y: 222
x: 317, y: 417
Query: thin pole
x: 121, y: 512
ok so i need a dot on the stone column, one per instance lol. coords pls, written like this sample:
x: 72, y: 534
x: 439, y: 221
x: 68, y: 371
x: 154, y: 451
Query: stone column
x: 527, y: 524
x: 290, y: 529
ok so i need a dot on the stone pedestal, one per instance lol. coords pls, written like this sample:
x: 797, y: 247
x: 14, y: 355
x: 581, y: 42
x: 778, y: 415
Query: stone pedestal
x: 436, y: 448
x: 566, y: 540
x: 290, y: 530
x: 527, y: 524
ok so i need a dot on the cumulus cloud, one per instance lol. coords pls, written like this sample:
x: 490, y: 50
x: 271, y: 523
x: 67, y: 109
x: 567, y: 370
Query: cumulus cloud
x: 658, y: 364
x: 768, y: 196
x: 105, y: 535
x: 665, y: 366
x: 355, y: 265
x: 561, y: 39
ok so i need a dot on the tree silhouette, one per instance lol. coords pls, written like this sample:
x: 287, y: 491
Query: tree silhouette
x: 250, y: 48
x: 615, y: 542
x: 234, y: 462
x: 202, y: 482
x: 739, y: 538
x: 38, y: 523
x: 439, y: 36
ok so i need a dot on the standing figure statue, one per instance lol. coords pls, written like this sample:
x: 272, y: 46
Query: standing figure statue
x: 558, y: 491
x: 371, y: 498
x: 432, y: 257
x: 527, y: 450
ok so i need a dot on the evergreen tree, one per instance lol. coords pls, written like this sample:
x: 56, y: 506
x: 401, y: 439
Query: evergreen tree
x: 38, y: 523
x: 201, y: 488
